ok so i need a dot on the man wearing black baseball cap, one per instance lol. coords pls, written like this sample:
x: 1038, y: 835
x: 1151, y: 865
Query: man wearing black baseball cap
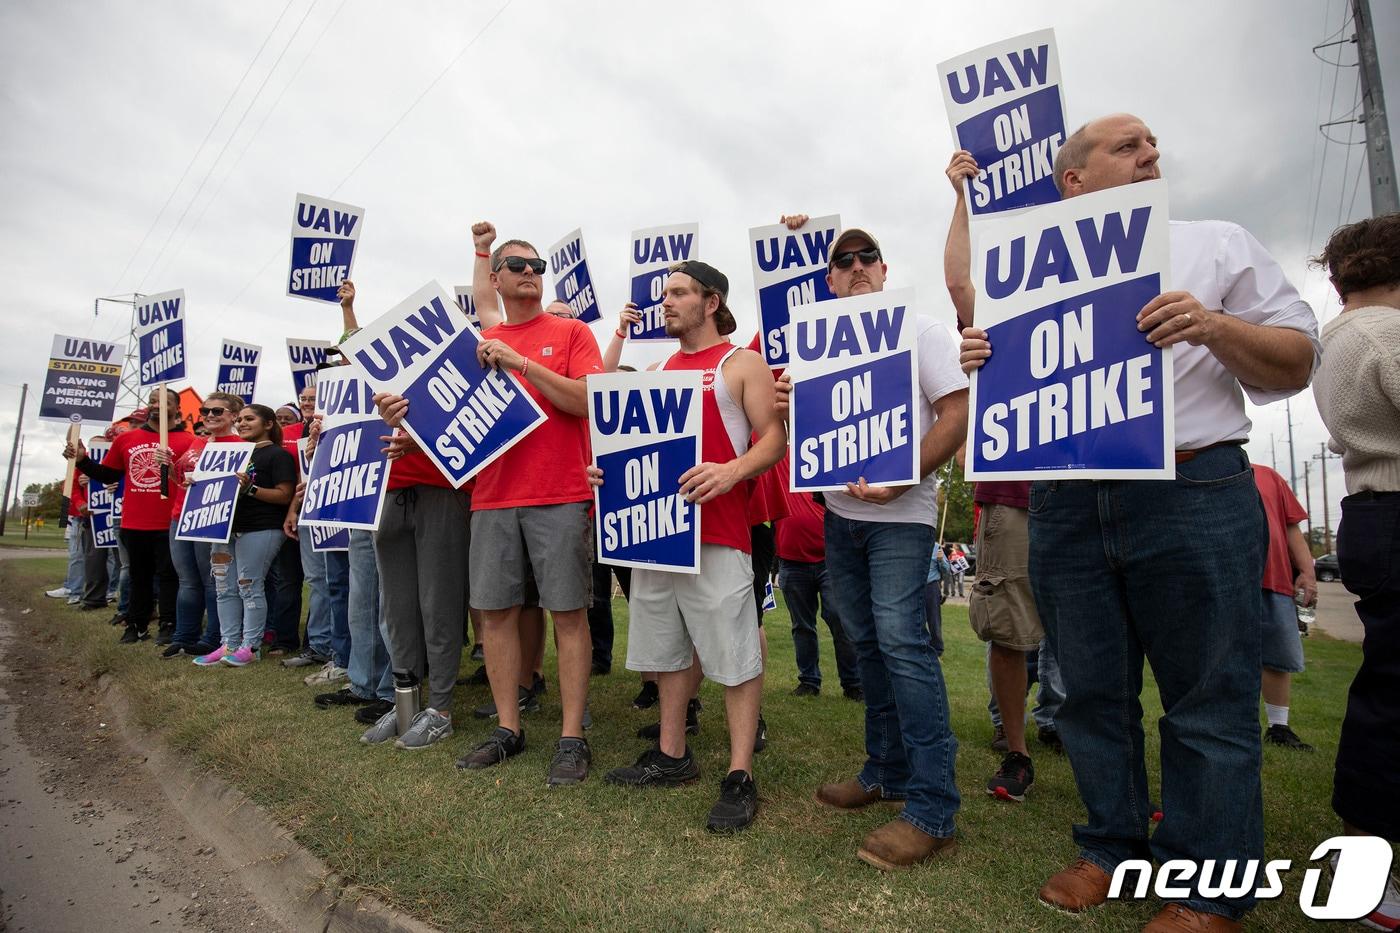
x: 677, y: 616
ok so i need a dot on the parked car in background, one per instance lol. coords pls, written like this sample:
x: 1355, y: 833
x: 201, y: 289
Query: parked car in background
x: 1326, y: 568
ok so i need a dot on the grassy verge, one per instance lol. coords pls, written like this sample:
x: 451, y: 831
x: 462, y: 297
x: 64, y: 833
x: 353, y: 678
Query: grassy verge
x: 497, y: 849
x: 50, y: 536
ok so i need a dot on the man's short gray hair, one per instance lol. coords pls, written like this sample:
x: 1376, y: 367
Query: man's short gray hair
x: 1072, y: 154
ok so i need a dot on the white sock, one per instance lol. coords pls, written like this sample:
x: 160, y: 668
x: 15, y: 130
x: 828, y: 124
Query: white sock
x: 1278, y: 715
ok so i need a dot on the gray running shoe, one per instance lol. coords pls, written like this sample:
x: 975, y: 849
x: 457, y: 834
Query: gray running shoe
x: 384, y: 729
x: 428, y: 727
x: 306, y: 658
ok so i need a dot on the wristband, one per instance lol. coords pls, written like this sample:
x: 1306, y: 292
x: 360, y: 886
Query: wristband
x: 619, y: 334
x: 483, y: 255
x: 526, y: 368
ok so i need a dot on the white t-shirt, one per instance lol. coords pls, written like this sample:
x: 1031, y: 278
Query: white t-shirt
x: 939, y: 374
x: 1224, y: 267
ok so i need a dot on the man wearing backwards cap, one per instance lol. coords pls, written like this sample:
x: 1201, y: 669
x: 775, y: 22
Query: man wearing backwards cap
x: 877, y: 547
x: 676, y: 616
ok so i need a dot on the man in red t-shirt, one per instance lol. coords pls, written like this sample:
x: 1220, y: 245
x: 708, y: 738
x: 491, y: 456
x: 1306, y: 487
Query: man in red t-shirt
x: 145, y: 514
x: 531, y: 510
x: 1288, y: 567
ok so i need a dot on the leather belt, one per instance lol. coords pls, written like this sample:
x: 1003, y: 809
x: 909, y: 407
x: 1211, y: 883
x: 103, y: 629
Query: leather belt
x: 1185, y: 456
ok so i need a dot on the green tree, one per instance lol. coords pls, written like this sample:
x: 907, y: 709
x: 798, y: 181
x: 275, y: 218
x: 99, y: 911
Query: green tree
x: 956, y: 522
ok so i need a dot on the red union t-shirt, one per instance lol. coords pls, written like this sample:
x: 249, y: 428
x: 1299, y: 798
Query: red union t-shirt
x: 134, y: 453
x: 802, y: 534
x: 1281, y: 509
x: 547, y: 467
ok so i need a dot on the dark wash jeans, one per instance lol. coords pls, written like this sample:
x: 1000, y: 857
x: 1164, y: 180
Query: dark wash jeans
x: 877, y: 571
x: 802, y: 584
x: 1169, y: 571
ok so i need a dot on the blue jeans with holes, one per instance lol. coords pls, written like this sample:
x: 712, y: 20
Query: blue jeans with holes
x: 803, y: 584
x: 240, y: 584
x: 1166, y: 571
x: 877, y: 571
x: 368, y: 669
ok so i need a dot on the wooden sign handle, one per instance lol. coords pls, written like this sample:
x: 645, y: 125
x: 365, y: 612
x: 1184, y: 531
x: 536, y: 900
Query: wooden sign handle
x: 74, y: 432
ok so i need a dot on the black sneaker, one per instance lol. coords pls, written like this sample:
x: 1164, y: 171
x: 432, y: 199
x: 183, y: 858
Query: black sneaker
x: 369, y: 713
x: 1013, y: 778
x: 647, y: 697
x: 807, y: 690
x: 478, y: 653
x: 760, y: 739
x: 692, y: 722
x: 503, y: 744
x: 165, y: 636
x: 477, y: 679
x: 570, y: 765
x: 179, y: 651
x: 537, y: 685
x: 737, y: 804
x: 999, y: 741
x: 1050, y: 736
x: 600, y: 669
x: 529, y: 703
x: 853, y: 693
x: 1286, y: 738
x: 199, y: 649
x: 656, y: 769
x: 118, y: 619
x: 342, y: 697
x: 131, y: 636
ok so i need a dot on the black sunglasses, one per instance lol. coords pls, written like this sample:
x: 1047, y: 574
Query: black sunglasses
x: 215, y: 411
x: 518, y: 263
x: 847, y: 259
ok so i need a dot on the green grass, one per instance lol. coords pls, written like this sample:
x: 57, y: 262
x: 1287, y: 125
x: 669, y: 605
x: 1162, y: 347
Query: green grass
x: 496, y: 849
x: 50, y: 536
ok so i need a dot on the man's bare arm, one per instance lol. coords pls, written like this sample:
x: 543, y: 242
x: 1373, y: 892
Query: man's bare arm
x: 488, y: 307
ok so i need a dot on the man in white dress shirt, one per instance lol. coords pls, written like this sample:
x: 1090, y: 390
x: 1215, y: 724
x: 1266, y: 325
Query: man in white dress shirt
x: 1169, y: 570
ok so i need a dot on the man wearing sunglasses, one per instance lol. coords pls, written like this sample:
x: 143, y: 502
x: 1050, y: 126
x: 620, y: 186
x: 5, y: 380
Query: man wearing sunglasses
x: 530, y: 510
x: 877, y: 545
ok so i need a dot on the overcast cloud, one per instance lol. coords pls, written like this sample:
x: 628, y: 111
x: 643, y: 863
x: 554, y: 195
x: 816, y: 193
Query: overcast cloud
x: 608, y: 116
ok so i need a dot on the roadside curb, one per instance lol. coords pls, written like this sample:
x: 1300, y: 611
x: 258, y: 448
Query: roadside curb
x: 289, y: 882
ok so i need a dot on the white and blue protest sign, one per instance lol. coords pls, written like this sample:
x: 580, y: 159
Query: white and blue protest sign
x: 207, y: 513
x: 160, y: 337
x: 855, y: 379
x: 461, y: 415
x: 238, y: 369
x: 305, y: 356
x: 652, y: 251
x: 789, y: 269
x: 1006, y: 107
x: 83, y: 380
x: 770, y: 600
x: 645, y: 429
x: 329, y: 538
x: 100, y: 496
x: 467, y: 302
x: 348, y: 475
x: 1072, y: 389
x: 324, y: 235
x: 573, y: 283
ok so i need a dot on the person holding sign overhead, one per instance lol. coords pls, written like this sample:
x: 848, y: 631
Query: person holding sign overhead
x: 878, y: 541
x: 1169, y: 570
x: 711, y: 614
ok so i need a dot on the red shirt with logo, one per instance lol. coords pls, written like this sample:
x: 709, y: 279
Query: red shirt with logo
x: 133, y: 455
x: 549, y: 465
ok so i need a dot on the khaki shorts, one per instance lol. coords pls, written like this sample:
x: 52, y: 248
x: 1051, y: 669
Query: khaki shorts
x: 1001, y: 607
x: 675, y: 615
x: 553, y: 541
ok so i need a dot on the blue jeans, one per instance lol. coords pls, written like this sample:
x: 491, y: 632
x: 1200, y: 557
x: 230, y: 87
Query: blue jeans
x: 114, y: 572
x: 1168, y: 571
x: 197, y: 596
x: 1041, y: 669
x: 338, y: 602
x: 318, y: 610
x: 284, y: 596
x: 73, y: 580
x: 877, y: 573
x: 802, y: 583
x: 369, y: 672
x: 243, y: 601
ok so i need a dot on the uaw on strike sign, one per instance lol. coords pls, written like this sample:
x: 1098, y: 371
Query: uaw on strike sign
x: 324, y: 236
x: 645, y: 430
x: 789, y: 269
x: 1072, y: 389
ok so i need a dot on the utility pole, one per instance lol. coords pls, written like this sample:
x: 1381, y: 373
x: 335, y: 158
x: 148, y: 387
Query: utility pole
x: 1326, y: 511
x: 1273, y: 451
x: 130, y: 390
x: 1307, y: 496
x: 1292, y: 457
x: 14, y: 452
x: 1380, y: 162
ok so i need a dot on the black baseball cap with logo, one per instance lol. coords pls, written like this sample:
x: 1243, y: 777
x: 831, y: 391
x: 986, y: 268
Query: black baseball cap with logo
x: 710, y: 277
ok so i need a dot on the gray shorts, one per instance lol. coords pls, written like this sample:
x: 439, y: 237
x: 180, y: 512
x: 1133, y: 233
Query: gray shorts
x: 553, y: 541
x: 676, y: 615
x: 1280, y: 642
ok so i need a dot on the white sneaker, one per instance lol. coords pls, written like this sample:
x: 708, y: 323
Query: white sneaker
x: 60, y: 593
x: 1386, y: 916
x: 73, y: 600
x: 328, y: 674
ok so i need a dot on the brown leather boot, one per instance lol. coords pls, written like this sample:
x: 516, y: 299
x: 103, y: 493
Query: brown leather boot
x: 849, y: 795
x: 899, y: 844
x: 1177, y: 919
x: 1079, y: 886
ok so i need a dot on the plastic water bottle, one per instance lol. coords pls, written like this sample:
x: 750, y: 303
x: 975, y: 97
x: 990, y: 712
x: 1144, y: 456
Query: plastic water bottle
x: 1306, y: 614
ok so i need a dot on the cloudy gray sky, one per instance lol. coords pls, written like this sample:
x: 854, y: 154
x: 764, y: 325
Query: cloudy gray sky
x: 608, y: 116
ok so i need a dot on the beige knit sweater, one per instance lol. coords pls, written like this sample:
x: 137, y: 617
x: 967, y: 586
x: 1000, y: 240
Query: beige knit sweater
x: 1358, y: 393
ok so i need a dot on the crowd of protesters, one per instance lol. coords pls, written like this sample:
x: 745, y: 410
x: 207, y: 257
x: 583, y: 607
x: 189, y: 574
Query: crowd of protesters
x: 1076, y: 583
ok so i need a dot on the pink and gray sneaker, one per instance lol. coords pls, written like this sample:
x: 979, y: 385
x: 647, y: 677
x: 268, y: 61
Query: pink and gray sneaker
x: 212, y: 658
x: 242, y: 656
